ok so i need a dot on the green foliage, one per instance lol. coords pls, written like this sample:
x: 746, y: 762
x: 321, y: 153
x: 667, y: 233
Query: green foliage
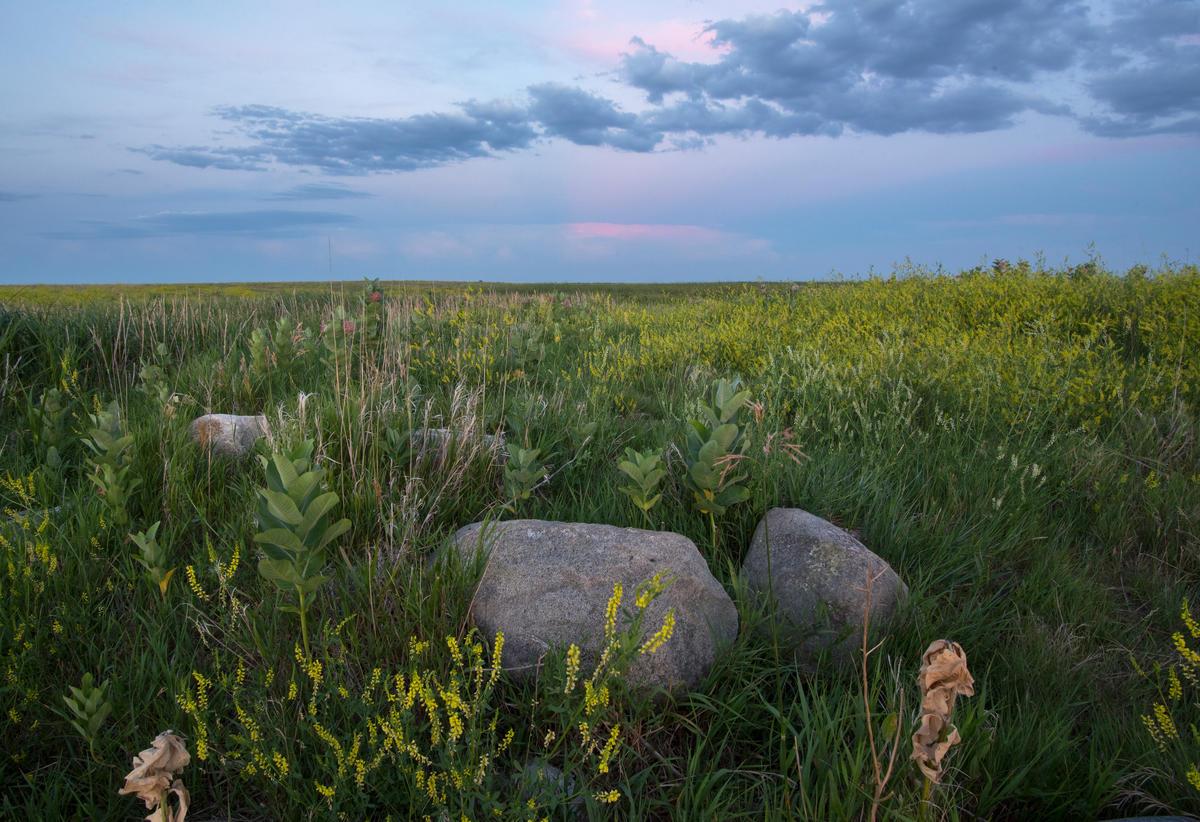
x: 645, y: 473
x: 89, y: 706
x: 49, y: 427
x: 374, y: 311
x: 153, y: 380
x: 112, y: 458
x: 526, y: 346
x: 279, y: 354
x: 523, y: 472
x: 153, y: 557
x: 338, y: 336
x: 714, y: 449
x: 296, y: 526
x: 397, y: 445
x: 1018, y: 443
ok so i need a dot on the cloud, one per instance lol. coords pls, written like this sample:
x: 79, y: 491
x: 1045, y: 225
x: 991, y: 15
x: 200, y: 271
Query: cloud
x: 859, y: 66
x: 13, y: 196
x: 264, y: 223
x: 359, y: 145
x: 319, y: 191
x: 229, y: 159
x: 587, y: 119
x: 643, y: 231
x: 941, y: 66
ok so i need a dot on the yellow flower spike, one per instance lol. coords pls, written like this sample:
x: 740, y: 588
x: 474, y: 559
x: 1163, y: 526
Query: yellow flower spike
x: 497, y: 652
x: 610, y: 611
x: 194, y: 584
x: 1165, y: 722
x: 610, y: 748
x: 1189, y: 621
x: 572, y: 667
x: 608, y: 797
x: 660, y: 637
x: 1193, y: 777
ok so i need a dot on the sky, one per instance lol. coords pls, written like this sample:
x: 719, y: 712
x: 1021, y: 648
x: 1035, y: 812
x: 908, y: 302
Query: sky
x: 581, y: 140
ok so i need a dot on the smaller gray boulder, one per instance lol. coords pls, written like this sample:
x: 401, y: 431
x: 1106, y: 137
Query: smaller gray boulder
x: 438, y: 441
x: 546, y: 585
x: 548, y: 787
x: 228, y: 435
x: 817, y: 575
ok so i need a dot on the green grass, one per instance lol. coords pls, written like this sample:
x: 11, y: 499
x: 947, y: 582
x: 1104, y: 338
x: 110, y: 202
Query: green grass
x: 1020, y: 445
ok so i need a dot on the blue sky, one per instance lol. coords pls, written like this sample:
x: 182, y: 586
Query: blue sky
x: 576, y: 140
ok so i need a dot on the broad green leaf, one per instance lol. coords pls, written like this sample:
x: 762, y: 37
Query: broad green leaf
x: 724, y: 435
x: 281, y: 507
x: 333, y: 532
x: 282, y: 538
x: 318, y: 508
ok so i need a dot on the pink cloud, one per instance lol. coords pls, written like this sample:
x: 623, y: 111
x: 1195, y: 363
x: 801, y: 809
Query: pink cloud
x: 641, y: 231
x: 599, y: 240
x: 600, y: 43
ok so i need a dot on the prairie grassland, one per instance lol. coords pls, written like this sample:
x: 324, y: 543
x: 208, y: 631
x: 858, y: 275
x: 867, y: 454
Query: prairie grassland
x: 1020, y: 445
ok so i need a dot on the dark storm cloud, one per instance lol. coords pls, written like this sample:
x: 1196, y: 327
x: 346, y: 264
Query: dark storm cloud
x: 882, y: 67
x: 174, y: 223
x: 869, y: 67
x: 319, y: 191
x: 587, y: 119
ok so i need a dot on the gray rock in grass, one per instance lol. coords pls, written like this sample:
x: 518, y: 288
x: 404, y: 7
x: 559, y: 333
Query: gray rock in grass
x: 546, y: 585
x: 426, y: 440
x: 817, y: 575
x: 228, y: 435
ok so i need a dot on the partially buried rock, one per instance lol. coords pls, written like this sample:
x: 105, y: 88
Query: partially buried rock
x: 434, y: 440
x: 546, y: 586
x: 547, y: 787
x: 818, y: 576
x: 228, y: 435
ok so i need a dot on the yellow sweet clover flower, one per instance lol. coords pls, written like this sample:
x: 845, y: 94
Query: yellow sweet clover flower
x: 572, y: 667
x: 194, y: 584
x: 1165, y: 722
x: 1193, y: 777
x: 455, y: 651
x: 608, y: 797
x: 497, y: 651
x: 610, y: 611
x: 1175, y: 687
x: 1189, y: 621
x: 610, y: 748
x: 1190, y: 658
x: 1153, y: 729
x: 326, y: 791
x: 660, y: 637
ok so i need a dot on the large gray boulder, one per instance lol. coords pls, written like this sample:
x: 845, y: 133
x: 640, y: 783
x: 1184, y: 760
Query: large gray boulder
x: 816, y: 573
x: 228, y: 435
x: 546, y: 585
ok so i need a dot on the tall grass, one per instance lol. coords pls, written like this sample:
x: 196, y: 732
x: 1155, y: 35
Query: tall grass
x: 1020, y: 445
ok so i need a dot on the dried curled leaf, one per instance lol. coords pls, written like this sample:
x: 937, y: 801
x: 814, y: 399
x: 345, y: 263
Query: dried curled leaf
x: 153, y: 777
x: 943, y: 678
